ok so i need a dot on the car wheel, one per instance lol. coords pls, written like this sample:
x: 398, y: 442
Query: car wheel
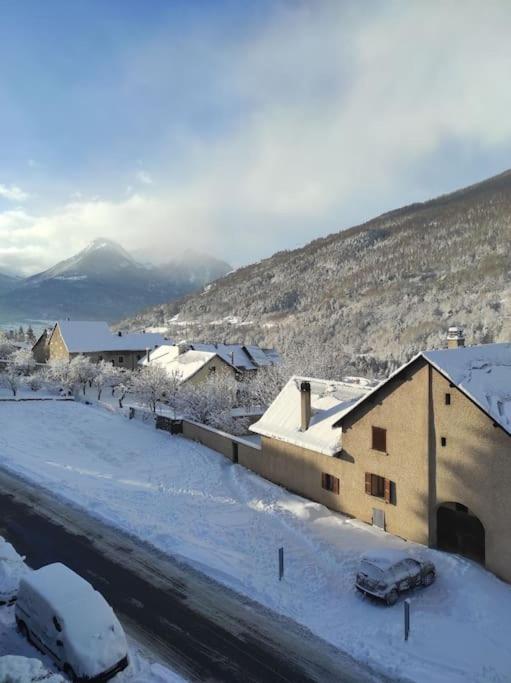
x: 23, y: 629
x: 428, y: 579
x: 391, y: 598
x: 68, y: 670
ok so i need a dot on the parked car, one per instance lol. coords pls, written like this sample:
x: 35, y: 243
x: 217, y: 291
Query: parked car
x: 12, y: 568
x: 61, y: 614
x: 387, y: 573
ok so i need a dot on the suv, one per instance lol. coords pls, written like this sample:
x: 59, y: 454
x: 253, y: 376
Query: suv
x: 387, y: 573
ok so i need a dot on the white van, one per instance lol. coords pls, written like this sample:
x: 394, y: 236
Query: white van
x: 62, y: 614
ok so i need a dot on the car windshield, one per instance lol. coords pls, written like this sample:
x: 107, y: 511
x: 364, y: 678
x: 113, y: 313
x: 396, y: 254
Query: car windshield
x: 371, y: 570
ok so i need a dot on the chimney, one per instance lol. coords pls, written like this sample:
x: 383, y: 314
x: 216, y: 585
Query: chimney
x: 305, y: 399
x: 455, y: 338
x: 182, y: 347
x: 148, y: 352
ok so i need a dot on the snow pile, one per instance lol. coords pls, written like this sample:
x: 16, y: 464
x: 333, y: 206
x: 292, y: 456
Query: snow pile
x: 186, y: 499
x: 12, y: 569
x: 15, y: 669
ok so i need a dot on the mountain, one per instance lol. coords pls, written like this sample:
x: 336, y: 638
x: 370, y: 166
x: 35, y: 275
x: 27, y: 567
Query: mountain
x: 104, y: 281
x: 378, y: 291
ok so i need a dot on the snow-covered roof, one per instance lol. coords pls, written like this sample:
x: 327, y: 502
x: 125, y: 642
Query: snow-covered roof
x: 239, y: 356
x: 89, y: 336
x: 329, y: 401
x: 483, y: 373
x: 185, y: 365
x: 384, y: 557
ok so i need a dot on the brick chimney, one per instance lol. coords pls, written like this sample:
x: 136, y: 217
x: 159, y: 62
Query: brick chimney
x: 455, y: 338
x: 305, y: 402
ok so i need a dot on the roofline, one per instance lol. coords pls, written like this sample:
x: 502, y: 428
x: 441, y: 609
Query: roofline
x: 402, y: 369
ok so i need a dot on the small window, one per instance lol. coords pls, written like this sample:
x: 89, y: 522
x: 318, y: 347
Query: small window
x: 448, y: 399
x: 100, y: 358
x: 443, y: 441
x: 379, y: 442
x: 212, y: 369
x: 139, y: 356
x: 329, y: 482
x: 57, y: 624
x: 121, y: 359
x: 377, y: 486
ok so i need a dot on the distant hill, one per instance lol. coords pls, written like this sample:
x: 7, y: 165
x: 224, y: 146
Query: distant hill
x: 104, y: 282
x: 381, y: 290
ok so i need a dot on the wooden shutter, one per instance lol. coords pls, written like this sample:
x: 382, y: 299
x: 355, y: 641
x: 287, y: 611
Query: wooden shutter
x: 336, y: 485
x: 323, y: 480
x: 387, y: 490
x: 368, y: 483
x: 379, y: 439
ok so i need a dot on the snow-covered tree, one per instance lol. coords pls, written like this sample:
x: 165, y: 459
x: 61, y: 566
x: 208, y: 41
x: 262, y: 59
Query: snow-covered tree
x: 211, y: 402
x: 6, y: 347
x: 83, y: 371
x: 106, y: 375
x: 172, y: 391
x: 150, y: 384
x: 24, y: 361
x: 11, y: 378
x: 59, y: 372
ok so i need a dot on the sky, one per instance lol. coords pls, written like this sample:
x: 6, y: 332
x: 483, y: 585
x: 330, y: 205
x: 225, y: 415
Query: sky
x: 239, y: 128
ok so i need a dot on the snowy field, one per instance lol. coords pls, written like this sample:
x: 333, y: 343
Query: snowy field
x: 188, y: 500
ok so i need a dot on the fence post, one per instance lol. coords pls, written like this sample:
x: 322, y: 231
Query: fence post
x: 407, y: 618
x: 281, y: 563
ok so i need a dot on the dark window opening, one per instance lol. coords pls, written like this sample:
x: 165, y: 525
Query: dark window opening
x: 100, y: 358
x: 139, y: 356
x: 329, y: 482
x: 379, y: 442
x: 448, y: 399
x: 379, y: 487
x: 121, y: 359
x: 443, y: 441
x: 212, y: 369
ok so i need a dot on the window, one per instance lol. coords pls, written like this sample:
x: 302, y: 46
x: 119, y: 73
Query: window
x: 139, y: 356
x: 100, y: 358
x: 379, y: 442
x: 448, y: 399
x: 443, y: 441
x: 56, y: 623
x: 329, y: 482
x: 377, y: 486
x: 121, y: 359
x: 212, y: 369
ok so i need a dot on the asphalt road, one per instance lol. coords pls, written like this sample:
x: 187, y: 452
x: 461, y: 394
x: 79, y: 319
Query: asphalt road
x: 201, y: 629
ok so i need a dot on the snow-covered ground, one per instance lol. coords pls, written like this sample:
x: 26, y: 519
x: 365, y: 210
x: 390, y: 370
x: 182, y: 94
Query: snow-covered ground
x: 187, y: 499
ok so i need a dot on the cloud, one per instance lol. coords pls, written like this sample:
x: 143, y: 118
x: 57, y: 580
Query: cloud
x: 324, y: 116
x: 13, y: 193
x: 144, y: 178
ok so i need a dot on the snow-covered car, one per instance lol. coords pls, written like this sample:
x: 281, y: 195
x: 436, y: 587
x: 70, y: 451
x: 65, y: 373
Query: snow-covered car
x: 389, y: 572
x: 61, y: 614
x: 12, y: 568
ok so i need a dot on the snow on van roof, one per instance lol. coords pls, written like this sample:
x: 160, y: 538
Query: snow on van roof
x: 55, y: 582
x: 329, y: 401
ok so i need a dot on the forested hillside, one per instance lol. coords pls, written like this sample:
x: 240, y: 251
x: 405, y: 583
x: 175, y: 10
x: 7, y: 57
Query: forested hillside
x: 374, y: 293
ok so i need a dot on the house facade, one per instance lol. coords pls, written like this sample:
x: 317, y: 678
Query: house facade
x: 426, y: 455
x: 95, y: 340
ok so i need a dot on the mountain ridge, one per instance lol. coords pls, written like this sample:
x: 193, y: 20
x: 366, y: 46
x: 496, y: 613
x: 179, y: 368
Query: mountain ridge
x: 380, y: 290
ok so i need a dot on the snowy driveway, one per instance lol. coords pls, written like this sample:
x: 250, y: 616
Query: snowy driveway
x: 186, y: 499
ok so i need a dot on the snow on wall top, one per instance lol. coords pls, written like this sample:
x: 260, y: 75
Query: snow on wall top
x: 85, y: 336
x: 483, y: 373
x: 185, y: 365
x: 329, y: 402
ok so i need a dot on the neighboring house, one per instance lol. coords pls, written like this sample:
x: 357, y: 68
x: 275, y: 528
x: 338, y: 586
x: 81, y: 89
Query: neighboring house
x: 70, y: 338
x: 186, y: 364
x: 426, y: 455
x: 198, y: 361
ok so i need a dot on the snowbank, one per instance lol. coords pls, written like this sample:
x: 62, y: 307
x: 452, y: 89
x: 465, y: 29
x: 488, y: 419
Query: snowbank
x: 186, y: 499
x: 15, y: 669
x: 12, y: 569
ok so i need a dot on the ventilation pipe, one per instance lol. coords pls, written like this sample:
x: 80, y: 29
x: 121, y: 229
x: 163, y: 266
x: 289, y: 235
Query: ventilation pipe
x: 305, y: 399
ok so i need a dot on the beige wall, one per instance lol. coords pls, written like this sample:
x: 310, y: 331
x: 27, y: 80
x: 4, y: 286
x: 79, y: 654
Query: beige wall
x: 249, y: 456
x: 57, y: 348
x: 215, y: 365
x: 474, y: 468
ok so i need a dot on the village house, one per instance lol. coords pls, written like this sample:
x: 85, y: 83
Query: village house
x: 95, y: 340
x: 195, y: 362
x: 425, y: 455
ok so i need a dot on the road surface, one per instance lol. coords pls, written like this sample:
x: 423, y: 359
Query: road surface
x: 201, y: 629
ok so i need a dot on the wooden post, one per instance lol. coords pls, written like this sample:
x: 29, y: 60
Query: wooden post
x: 281, y: 563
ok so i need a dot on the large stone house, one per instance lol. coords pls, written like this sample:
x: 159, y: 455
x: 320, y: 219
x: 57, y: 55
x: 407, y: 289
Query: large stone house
x: 196, y: 362
x: 426, y: 455
x: 70, y: 338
